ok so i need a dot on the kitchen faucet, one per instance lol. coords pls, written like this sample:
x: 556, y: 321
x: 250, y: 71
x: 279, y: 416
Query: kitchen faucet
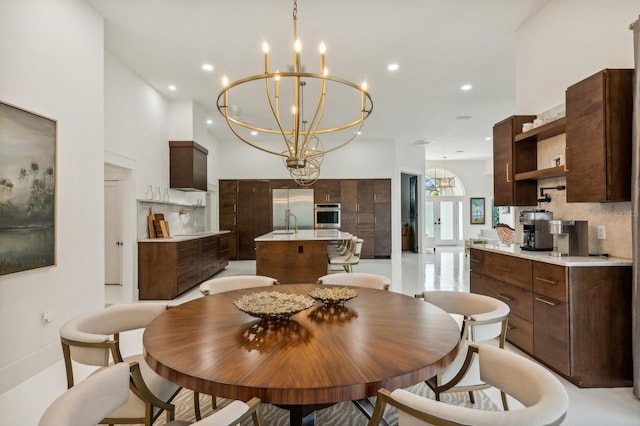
x: 286, y: 221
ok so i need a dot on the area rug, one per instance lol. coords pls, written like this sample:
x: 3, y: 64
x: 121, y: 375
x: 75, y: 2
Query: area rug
x: 343, y: 413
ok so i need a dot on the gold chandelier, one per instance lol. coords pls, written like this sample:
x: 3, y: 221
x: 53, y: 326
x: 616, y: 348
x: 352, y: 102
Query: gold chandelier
x: 264, y: 125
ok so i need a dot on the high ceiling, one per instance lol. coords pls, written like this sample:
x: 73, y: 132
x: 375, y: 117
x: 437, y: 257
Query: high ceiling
x: 439, y: 46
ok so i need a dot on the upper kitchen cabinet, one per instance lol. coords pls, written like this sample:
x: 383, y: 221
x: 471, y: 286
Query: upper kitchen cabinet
x: 598, y: 137
x: 510, y: 159
x: 327, y: 191
x: 188, y: 166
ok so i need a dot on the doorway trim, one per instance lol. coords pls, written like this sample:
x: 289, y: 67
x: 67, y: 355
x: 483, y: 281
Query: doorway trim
x: 118, y: 167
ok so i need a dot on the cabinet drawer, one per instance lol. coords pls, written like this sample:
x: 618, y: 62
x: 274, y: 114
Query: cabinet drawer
x: 223, y: 244
x: 476, y: 283
x: 549, y: 280
x: 187, y: 279
x: 210, y: 268
x: 187, y: 264
x: 518, y: 299
x: 510, y: 269
x: 551, y: 335
x: 520, y: 333
x: 208, y: 244
x: 476, y: 260
x: 187, y: 248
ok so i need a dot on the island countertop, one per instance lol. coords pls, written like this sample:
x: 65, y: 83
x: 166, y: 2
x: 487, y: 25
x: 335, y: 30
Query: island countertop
x: 543, y: 256
x: 304, y: 235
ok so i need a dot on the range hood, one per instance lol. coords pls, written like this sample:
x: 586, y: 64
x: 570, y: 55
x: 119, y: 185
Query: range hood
x: 188, y: 166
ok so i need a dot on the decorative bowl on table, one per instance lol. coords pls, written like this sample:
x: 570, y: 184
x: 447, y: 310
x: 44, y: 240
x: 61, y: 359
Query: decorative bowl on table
x: 333, y: 295
x: 273, y: 304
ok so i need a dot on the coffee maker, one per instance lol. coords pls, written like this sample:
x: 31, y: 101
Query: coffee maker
x: 535, y: 230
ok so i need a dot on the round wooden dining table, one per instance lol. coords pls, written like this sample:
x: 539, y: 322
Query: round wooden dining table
x: 318, y: 357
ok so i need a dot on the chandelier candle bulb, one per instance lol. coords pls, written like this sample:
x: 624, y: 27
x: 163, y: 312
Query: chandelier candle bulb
x: 323, y: 50
x: 265, y: 49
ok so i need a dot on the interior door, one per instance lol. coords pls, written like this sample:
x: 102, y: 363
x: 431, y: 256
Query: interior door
x: 112, y: 233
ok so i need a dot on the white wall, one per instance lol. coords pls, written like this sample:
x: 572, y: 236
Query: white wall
x: 52, y: 64
x: 136, y: 118
x: 567, y: 41
x: 358, y: 159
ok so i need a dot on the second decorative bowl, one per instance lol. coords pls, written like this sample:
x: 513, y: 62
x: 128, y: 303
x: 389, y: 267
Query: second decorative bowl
x: 333, y: 295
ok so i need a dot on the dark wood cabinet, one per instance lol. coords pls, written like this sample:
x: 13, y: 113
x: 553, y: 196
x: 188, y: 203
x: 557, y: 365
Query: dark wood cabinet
x: 187, y: 166
x: 246, y: 211
x: 598, y: 137
x: 228, y: 205
x: 167, y: 269
x: 365, y: 218
x: 382, y: 217
x: 254, y: 215
x: 575, y: 319
x: 508, y: 160
x: 326, y: 191
x: 348, y: 205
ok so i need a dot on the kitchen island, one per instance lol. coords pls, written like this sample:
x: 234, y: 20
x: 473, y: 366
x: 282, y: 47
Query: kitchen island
x: 294, y: 257
x: 572, y: 313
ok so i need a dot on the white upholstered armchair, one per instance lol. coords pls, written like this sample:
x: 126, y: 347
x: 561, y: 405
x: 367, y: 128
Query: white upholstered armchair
x: 544, y: 398
x: 484, y: 319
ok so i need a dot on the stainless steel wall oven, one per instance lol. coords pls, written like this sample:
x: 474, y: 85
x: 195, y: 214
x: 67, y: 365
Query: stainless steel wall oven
x: 327, y: 216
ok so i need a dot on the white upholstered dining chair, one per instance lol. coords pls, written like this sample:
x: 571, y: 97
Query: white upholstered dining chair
x: 91, y: 400
x: 235, y: 282
x: 359, y: 279
x: 484, y: 319
x: 94, y: 339
x: 544, y: 398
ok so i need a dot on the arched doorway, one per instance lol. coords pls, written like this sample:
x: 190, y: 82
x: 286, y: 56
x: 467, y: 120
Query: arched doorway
x: 443, y: 208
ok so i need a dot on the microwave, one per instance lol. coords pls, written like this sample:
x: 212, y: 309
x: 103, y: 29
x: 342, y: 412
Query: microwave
x: 327, y: 216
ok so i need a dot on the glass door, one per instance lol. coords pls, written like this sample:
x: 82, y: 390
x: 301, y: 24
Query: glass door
x: 442, y: 221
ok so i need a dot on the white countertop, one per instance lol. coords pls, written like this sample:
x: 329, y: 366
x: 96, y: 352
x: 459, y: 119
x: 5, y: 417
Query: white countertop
x: 543, y: 256
x: 304, y: 235
x: 178, y: 238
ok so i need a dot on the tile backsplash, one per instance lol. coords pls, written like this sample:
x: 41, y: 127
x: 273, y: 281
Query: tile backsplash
x: 182, y: 219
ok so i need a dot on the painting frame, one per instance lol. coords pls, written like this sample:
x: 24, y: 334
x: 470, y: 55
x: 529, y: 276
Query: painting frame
x: 476, y: 211
x: 28, y: 176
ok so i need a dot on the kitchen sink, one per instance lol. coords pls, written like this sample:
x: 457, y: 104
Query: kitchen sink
x: 284, y: 232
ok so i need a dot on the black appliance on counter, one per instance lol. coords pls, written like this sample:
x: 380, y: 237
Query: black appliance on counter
x: 535, y: 230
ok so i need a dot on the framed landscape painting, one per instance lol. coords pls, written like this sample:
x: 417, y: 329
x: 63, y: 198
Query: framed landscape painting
x: 27, y: 190
x: 477, y: 211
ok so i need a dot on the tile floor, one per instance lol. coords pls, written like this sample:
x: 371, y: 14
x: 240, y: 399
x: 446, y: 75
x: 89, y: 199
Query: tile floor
x: 444, y: 269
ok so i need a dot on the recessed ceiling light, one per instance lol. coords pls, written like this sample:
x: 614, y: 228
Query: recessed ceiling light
x: 359, y: 133
x: 207, y: 67
x: 421, y: 142
x: 393, y: 67
x: 254, y: 133
x: 466, y: 87
x: 209, y: 121
x: 459, y: 151
x: 488, y: 138
x: 172, y: 87
x: 462, y: 117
